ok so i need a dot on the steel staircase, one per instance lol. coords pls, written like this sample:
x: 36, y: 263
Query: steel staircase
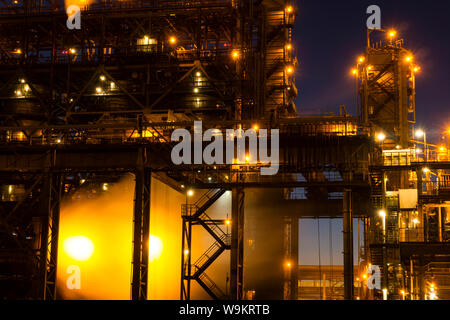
x: 376, y: 182
x: 209, y: 256
x: 207, y: 200
x: 195, y: 215
x: 377, y: 257
x: 210, y: 287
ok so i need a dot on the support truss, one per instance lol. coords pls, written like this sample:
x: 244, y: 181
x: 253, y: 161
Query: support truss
x: 141, y: 234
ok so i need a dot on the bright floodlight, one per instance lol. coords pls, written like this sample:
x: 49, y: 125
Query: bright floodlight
x: 190, y: 193
x: 392, y: 33
x: 79, y: 248
x: 289, y: 69
x: 382, y: 213
x: 235, y: 54
x: 155, y: 248
x: 420, y: 133
x: 381, y: 136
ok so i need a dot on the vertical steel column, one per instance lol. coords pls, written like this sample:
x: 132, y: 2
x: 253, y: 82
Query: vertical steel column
x: 367, y: 293
x: 412, y: 278
x: 237, y: 244
x: 422, y: 220
x: 348, y: 245
x: 421, y: 277
x: 48, y: 253
x: 141, y: 232
x: 185, y: 293
x: 287, y: 241
x: 294, y: 258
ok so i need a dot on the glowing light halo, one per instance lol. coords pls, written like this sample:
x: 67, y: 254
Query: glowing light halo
x: 79, y: 248
x: 155, y: 248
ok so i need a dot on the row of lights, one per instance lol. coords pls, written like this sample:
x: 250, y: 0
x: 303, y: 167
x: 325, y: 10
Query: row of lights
x: 67, y: 51
x: 22, y: 89
x: 289, y: 69
x: 172, y: 39
x: 432, y: 291
x: 198, y: 75
x: 408, y: 59
x: 419, y: 134
x: 415, y: 68
x: 99, y: 90
x: 380, y: 137
x: 382, y: 214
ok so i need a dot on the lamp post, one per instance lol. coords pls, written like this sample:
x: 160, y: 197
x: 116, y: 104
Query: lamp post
x: 420, y: 134
x: 380, y: 137
x: 382, y: 214
x: 355, y: 73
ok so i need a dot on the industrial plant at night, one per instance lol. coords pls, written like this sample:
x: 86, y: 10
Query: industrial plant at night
x: 160, y: 150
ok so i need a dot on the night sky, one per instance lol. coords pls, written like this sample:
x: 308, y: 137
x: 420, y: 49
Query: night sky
x: 329, y: 35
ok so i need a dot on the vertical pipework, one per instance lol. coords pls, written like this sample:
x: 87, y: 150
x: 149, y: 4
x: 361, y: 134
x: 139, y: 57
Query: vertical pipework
x: 237, y: 244
x: 294, y: 258
x: 186, y: 249
x: 141, y: 230
x: 137, y: 240
x: 48, y: 253
x: 421, y: 278
x: 411, y: 274
x: 49, y: 237
x: 348, y: 245
x: 290, y: 243
x: 287, y: 258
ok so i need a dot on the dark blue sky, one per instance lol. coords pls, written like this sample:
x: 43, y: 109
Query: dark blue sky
x: 329, y: 35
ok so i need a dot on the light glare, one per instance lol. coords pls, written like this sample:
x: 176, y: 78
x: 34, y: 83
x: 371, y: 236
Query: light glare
x: 155, y: 248
x: 79, y: 248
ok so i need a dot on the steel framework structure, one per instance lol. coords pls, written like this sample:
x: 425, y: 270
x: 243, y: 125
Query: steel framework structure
x: 162, y: 60
x: 105, y: 99
x: 386, y: 85
x: 101, y: 153
x: 134, y: 63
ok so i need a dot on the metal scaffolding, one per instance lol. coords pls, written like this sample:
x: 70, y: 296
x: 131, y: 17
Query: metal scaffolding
x: 104, y: 100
